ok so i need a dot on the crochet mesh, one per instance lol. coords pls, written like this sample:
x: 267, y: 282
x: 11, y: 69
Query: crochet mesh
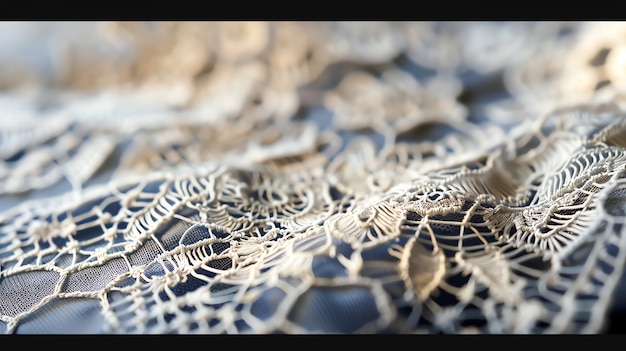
x: 301, y: 178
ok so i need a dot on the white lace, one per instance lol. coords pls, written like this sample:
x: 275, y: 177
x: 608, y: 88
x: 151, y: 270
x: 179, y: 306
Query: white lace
x: 300, y: 178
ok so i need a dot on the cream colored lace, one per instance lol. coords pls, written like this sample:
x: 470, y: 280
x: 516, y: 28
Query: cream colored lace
x: 306, y: 178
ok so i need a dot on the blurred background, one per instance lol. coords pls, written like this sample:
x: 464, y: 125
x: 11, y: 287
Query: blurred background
x: 80, y: 101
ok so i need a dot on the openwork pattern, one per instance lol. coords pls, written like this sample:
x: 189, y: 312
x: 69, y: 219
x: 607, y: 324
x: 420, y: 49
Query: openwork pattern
x: 298, y: 178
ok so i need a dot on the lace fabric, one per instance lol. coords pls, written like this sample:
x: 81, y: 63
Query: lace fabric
x: 310, y: 178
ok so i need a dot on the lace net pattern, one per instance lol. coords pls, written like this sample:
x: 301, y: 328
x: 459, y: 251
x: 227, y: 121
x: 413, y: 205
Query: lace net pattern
x: 279, y: 177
